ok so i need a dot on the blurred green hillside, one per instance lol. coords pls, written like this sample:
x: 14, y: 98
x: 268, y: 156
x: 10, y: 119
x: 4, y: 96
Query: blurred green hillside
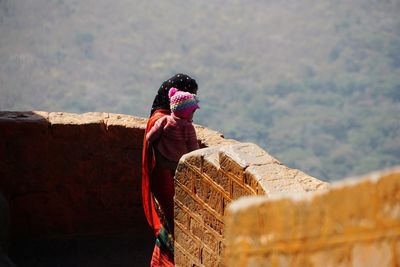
x: 315, y: 83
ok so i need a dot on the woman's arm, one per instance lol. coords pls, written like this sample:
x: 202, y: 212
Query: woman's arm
x: 156, y: 130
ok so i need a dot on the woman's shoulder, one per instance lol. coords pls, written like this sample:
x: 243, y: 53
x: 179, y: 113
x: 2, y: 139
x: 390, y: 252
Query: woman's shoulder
x: 159, y: 114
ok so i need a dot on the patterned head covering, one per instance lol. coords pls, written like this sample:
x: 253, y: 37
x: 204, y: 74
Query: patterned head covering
x: 182, y: 104
x: 180, y: 81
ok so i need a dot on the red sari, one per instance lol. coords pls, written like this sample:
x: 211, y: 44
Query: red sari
x: 157, y: 196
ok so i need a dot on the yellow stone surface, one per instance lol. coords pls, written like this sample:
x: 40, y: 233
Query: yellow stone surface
x: 207, y: 180
x: 354, y: 222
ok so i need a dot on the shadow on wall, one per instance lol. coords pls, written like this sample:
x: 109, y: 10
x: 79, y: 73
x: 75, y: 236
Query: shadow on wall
x: 72, y: 183
x: 4, y: 228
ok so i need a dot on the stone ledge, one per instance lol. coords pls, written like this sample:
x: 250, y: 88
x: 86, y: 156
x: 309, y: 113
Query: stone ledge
x: 65, y: 118
x: 208, y: 179
x: 44, y: 122
x: 355, y: 221
x: 249, y: 161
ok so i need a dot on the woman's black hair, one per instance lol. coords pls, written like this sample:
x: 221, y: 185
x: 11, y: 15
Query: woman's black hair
x: 180, y: 81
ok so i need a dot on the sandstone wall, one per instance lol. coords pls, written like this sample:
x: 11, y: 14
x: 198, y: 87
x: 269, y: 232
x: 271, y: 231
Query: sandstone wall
x: 70, y: 174
x: 353, y: 223
x: 209, y: 179
x: 77, y: 174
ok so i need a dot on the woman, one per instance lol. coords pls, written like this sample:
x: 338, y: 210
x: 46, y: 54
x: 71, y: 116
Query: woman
x: 157, y: 184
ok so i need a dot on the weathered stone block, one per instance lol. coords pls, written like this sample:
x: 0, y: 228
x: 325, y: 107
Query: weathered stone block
x: 194, y: 159
x: 372, y: 254
x: 301, y: 259
x: 197, y: 228
x: 181, y: 217
x: 76, y: 126
x: 185, y: 176
x: 277, y: 179
x: 210, y: 167
x: 202, y: 188
x: 128, y: 129
x: 259, y: 261
x: 309, y: 183
x: 232, y: 166
x: 181, y: 258
x: 210, y: 138
x: 261, y: 191
x: 196, y: 209
x: 248, y: 154
x: 239, y: 190
x: 224, y: 181
x: 225, y: 203
x: 251, y: 180
x: 211, y: 239
x: 279, y: 186
x: 190, y: 244
x: 338, y: 256
x: 353, y: 216
x: 215, y: 201
x: 208, y: 258
x: 388, y: 189
x: 212, y: 221
x: 221, y: 246
x: 236, y: 158
x: 209, y: 194
x: 351, y: 223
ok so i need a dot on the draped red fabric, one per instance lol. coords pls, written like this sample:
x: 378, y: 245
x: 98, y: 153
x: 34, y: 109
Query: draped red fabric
x: 147, y: 167
x: 160, y: 259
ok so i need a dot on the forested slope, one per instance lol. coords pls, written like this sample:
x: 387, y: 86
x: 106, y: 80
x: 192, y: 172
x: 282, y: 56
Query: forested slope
x: 315, y: 83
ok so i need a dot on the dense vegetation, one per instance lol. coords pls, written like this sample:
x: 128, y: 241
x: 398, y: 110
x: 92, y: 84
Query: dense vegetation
x: 315, y: 83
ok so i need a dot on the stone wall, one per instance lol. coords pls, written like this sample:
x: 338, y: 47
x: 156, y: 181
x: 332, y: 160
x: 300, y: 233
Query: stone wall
x: 209, y: 179
x: 69, y: 174
x: 79, y: 174
x: 4, y: 225
x: 355, y: 222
